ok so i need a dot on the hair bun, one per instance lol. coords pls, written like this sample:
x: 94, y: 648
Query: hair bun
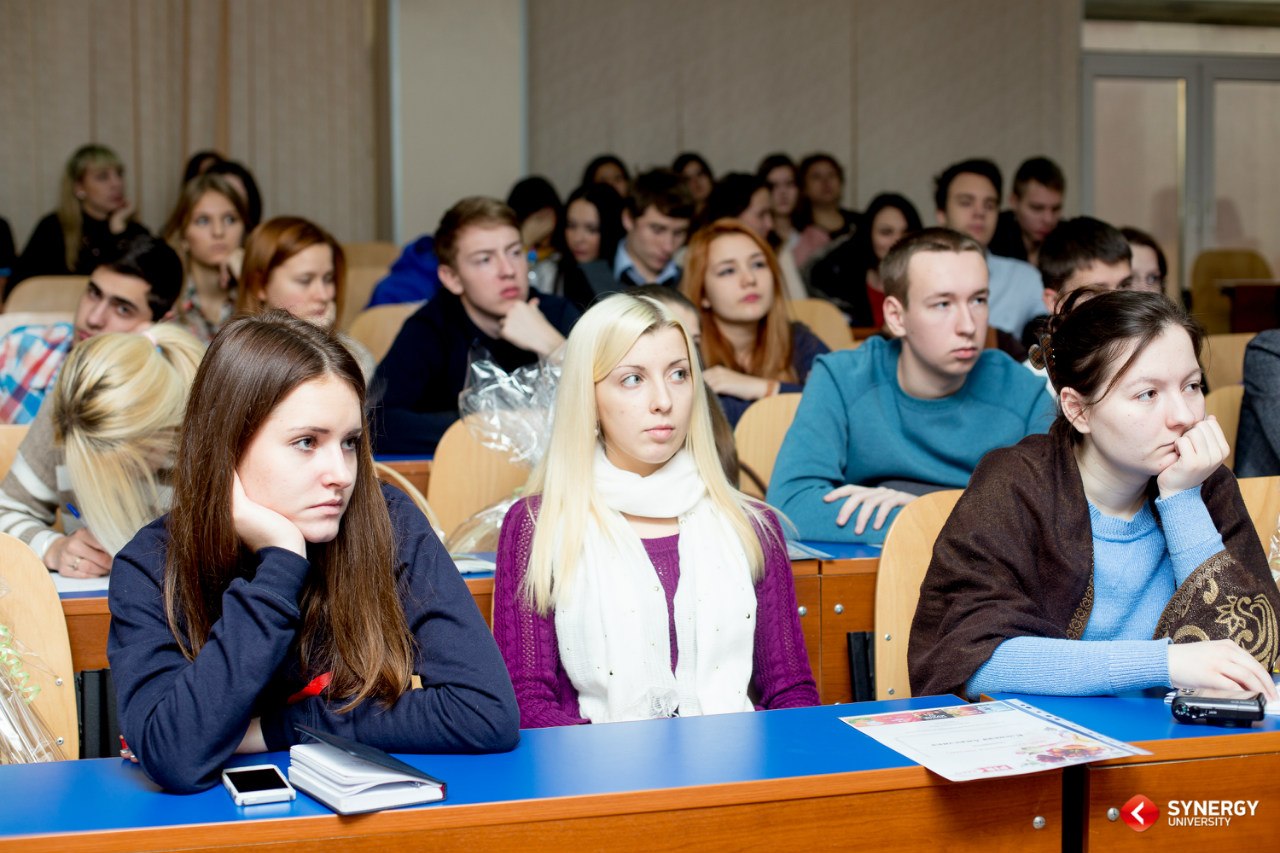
x: 1037, y: 357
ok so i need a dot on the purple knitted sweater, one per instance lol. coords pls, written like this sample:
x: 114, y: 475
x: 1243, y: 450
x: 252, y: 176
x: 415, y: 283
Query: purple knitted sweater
x: 780, y: 676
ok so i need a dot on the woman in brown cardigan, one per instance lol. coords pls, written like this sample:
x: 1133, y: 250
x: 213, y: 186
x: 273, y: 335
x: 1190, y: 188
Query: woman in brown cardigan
x: 1091, y: 560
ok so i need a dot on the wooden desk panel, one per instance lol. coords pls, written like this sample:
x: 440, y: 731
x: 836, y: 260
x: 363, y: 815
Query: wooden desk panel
x: 809, y: 601
x: 1238, y: 777
x: 788, y: 779
x: 416, y: 471
x: 900, y: 813
x: 848, y: 586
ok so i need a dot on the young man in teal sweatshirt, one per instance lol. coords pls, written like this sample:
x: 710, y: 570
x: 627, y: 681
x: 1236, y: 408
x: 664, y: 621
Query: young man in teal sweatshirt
x: 893, y: 419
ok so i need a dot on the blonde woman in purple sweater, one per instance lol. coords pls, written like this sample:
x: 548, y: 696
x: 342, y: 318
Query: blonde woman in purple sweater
x: 636, y: 582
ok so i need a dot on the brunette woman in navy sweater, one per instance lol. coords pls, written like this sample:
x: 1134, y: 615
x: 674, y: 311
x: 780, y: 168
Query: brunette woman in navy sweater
x: 286, y: 587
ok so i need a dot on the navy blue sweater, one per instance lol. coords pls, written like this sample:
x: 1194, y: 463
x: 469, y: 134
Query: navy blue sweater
x: 184, y: 719
x: 426, y: 368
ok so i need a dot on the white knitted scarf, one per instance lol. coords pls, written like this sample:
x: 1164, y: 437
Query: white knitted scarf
x: 612, y: 619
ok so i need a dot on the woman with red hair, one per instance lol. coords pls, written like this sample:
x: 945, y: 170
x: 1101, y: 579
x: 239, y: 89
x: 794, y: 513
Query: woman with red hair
x: 293, y: 264
x: 750, y: 348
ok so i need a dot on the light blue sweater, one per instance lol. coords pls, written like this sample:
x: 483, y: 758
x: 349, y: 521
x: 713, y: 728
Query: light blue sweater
x: 856, y: 425
x: 1137, y: 566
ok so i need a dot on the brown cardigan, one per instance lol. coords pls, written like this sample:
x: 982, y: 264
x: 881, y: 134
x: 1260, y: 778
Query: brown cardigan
x: 1016, y: 559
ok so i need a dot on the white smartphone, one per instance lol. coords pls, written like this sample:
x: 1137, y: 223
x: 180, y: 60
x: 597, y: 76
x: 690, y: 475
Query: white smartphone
x: 261, y: 783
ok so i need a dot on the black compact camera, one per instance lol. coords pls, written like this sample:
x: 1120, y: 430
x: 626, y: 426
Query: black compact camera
x: 1242, y: 710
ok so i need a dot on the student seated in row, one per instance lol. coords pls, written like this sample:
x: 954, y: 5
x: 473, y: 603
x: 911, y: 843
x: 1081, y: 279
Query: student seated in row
x: 637, y: 582
x: 100, y: 449
x: 486, y: 310
x: 967, y: 196
x: 1114, y: 553
x: 285, y: 586
x: 1035, y: 208
x: 94, y: 214
x: 135, y: 286
x: 292, y: 264
x: 896, y: 418
x: 1258, y: 438
x: 750, y: 348
x: 1080, y: 252
x: 655, y: 216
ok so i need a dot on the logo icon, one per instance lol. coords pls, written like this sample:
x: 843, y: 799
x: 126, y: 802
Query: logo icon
x: 1140, y: 813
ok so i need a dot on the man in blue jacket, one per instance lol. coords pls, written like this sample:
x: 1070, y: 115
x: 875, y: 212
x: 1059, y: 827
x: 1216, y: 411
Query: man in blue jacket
x: 893, y: 419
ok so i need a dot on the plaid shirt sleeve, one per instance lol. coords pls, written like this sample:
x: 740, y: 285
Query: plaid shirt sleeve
x: 29, y: 360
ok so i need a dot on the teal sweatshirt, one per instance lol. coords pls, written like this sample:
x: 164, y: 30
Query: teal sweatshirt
x: 856, y: 425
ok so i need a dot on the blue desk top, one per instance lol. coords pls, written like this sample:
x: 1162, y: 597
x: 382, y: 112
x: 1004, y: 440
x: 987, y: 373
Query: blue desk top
x: 104, y: 794
x: 844, y: 550
x: 1134, y: 717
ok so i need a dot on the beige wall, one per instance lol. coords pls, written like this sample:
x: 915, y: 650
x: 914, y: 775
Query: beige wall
x: 459, y: 69
x: 896, y: 90
x: 285, y: 86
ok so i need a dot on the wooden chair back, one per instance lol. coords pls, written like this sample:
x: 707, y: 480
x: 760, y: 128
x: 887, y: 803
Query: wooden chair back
x: 907, y: 551
x: 1224, y: 403
x: 11, y: 436
x: 466, y: 477
x: 387, y: 474
x: 759, y: 435
x: 1223, y: 359
x: 378, y: 326
x: 358, y: 288
x: 823, y: 319
x: 33, y: 615
x: 1209, y: 304
x: 47, y: 293
x: 1262, y: 499
x: 374, y: 253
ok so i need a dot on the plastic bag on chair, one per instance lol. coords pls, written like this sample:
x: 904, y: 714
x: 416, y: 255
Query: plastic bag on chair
x: 510, y: 412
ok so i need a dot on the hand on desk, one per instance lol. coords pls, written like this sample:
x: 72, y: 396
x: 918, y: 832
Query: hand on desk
x: 79, y: 555
x: 875, y: 499
x: 1217, y: 665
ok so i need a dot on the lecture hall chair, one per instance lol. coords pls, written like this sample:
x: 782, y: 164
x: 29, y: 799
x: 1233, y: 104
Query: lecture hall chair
x: 375, y: 253
x: 47, y: 293
x: 903, y: 563
x: 823, y: 319
x: 1224, y: 403
x: 11, y: 436
x: 389, y: 475
x: 358, y: 289
x: 32, y: 612
x: 1223, y: 359
x: 1208, y: 303
x: 466, y: 477
x: 758, y: 436
x: 1262, y: 500
x: 378, y: 326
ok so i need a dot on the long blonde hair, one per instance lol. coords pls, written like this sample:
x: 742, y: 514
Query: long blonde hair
x: 70, y: 210
x: 117, y: 407
x: 565, y: 476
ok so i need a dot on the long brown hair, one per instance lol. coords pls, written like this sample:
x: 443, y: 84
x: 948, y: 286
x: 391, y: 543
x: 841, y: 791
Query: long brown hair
x: 276, y: 241
x: 353, y: 624
x: 771, y: 358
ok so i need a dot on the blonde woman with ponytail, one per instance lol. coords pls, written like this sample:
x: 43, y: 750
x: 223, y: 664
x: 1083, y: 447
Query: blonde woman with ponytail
x: 630, y: 491
x: 99, y: 449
